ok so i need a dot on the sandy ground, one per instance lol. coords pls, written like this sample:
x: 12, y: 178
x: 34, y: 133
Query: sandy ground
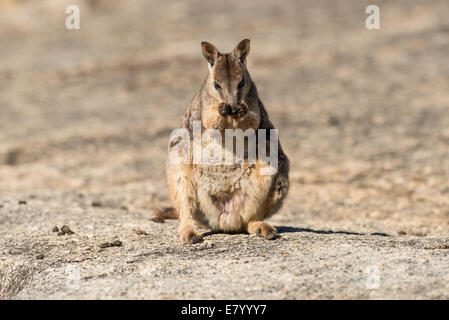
x: 85, y: 117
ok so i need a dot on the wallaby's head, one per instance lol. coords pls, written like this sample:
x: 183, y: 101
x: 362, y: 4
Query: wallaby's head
x: 228, y: 86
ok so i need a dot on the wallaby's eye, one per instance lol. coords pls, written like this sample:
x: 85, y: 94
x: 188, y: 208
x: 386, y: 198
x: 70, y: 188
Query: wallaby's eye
x: 216, y: 85
x: 241, y: 84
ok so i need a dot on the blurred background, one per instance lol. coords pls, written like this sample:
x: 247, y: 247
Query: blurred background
x: 363, y: 115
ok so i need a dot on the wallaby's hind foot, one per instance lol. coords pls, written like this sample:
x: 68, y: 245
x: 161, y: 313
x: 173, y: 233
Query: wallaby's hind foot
x: 263, y: 229
x: 190, y: 236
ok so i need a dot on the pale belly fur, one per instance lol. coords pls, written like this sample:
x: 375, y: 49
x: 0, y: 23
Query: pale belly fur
x: 224, y: 194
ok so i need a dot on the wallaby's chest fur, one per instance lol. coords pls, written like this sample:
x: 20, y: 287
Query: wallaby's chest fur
x: 223, y: 178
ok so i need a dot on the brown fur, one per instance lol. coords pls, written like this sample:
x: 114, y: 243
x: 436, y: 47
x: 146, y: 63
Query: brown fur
x: 228, y: 198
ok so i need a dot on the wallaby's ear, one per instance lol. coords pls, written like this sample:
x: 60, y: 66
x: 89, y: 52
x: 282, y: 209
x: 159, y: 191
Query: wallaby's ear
x: 209, y: 52
x: 242, y: 50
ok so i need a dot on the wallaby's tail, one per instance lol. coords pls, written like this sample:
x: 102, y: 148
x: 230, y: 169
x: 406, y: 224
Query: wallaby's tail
x: 166, y: 213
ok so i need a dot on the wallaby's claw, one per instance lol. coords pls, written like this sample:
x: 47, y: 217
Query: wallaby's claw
x: 191, y: 237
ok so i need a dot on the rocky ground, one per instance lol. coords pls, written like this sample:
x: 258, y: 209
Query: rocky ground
x: 85, y: 118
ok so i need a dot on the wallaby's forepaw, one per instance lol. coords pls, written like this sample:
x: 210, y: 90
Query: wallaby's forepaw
x: 263, y: 229
x: 190, y: 236
x: 281, y: 186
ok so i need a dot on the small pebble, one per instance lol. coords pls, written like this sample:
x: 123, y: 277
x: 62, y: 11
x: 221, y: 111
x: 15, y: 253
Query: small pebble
x: 444, y: 246
x: 40, y: 256
x: 333, y: 121
x: 139, y: 232
x: 117, y: 243
x: 66, y: 230
x: 96, y: 203
x: 55, y: 229
x: 22, y: 202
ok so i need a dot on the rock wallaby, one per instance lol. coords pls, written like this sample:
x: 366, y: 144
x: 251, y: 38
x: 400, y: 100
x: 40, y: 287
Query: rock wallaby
x: 226, y: 197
